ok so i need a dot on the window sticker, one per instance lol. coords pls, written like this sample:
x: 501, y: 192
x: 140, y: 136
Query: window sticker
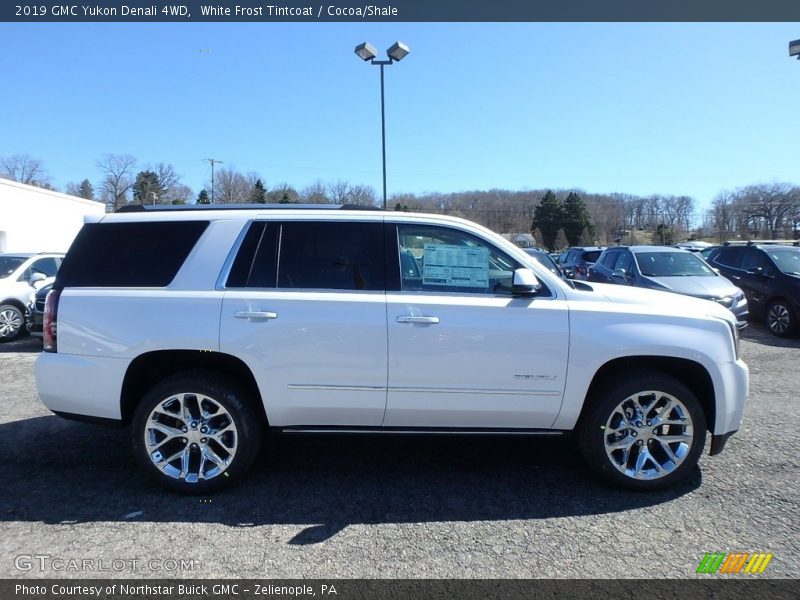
x: 456, y: 266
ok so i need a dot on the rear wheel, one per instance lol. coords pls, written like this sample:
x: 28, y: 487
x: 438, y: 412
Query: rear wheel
x: 644, y: 434
x: 195, y: 433
x: 780, y: 319
x: 12, y: 322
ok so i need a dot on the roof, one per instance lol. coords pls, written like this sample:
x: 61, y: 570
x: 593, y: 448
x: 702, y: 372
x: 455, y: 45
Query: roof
x: 11, y: 186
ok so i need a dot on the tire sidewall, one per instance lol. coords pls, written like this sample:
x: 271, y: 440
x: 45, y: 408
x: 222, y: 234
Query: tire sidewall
x: 222, y: 392
x: 592, y: 430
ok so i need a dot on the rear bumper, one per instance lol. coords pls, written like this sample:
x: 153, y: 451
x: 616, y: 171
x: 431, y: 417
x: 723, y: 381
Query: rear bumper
x: 81, y: 385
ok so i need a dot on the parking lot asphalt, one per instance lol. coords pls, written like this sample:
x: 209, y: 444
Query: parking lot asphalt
x: 391, y: 507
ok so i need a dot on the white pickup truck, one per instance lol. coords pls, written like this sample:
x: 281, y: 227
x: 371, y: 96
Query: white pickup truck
x: 205, y: 329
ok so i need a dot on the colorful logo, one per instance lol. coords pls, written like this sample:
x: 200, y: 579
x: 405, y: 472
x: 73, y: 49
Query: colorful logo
x: 737, y: 562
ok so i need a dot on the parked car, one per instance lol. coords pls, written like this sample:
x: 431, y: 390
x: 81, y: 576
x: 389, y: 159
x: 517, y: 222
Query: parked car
x: 35, y: 314
x: 575, y: 262
x: 203, y: 328
x: 670, y: 269
x: 769, y: 274
x: 20, y: 275
x: 544, y: 259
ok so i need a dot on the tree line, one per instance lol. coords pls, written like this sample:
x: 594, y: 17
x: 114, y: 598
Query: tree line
x: 556, y: 218
x: 123, y: 181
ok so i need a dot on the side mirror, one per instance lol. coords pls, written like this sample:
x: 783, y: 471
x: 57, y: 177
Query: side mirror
x: 36, y: 278
x: 620, y: 275
x: 524, y: 283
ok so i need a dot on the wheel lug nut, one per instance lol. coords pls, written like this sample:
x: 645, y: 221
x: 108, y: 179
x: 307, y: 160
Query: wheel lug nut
x: 204, y: 440
x: 204, y: 430
x: 649, y: 423
x: 184, y: 429
x: 183, y: 440
x: 639, y: 443
x: 194, y: 445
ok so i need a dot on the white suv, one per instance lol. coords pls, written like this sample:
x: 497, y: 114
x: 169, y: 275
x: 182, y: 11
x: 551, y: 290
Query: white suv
x: 204, y: 329
x: 19, y: 275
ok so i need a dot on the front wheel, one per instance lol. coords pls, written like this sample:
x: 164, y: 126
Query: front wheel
x: 644, y: 434
x: 195, y: 433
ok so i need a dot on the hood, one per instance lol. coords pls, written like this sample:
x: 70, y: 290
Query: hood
x: 698, y: 286
x: 647, y: 301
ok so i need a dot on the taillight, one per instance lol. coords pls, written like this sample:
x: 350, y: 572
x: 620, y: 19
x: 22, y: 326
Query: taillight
x: 51, y: 320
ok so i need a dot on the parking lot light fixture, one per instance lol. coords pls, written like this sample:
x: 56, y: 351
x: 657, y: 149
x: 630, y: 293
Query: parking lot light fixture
x: 366, y: 52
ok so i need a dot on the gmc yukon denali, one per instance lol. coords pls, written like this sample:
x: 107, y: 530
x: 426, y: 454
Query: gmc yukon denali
x: 204, y: 330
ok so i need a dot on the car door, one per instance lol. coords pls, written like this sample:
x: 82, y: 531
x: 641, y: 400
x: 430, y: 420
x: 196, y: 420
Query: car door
x: 463, y: 352
x: 757, y: 277
x: 305, y: 309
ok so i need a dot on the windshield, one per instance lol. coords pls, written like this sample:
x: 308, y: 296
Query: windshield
x: 545, y: 260
x: 787, y: 259
x: 9, y: 264
x: 672, y: 264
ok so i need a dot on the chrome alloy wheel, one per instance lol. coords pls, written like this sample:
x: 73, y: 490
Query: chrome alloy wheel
x: 190, y: 437
x: 648, y: 435
x: 10, y: 322
x: 778, y: 318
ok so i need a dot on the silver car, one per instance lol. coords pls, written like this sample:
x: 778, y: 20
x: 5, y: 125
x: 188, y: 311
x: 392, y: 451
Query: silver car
x: 669, y: 269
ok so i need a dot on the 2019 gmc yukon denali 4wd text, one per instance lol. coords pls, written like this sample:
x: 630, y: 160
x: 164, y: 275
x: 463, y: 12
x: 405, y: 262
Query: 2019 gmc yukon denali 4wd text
x: 205, y: 329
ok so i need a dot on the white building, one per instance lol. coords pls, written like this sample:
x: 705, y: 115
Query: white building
x: 33, y: 219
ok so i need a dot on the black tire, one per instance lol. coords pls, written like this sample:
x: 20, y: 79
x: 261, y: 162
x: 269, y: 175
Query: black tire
x: 604, y: 414
x: 197, y: 391
x: 12, y: 322
x: 780, y: 318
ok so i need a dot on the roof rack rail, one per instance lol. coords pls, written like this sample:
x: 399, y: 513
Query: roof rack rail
x: 762, y: 242
x: 133, y: 208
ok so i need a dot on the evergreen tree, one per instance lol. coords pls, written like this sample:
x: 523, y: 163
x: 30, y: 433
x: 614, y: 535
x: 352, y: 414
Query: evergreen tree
x: 576, y: 219
x: 203, y: 197
x: 85, y: 190
x: 147, y: 188
x: 259, y: 193
x: 548, y: 218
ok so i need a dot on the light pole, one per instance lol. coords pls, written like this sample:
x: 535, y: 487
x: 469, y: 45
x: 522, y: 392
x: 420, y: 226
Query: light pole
x: 213, y: 161
x: 366, y: 52
x: 794, y: 49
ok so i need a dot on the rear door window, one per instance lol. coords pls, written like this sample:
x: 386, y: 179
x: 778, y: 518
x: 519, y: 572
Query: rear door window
x: 730, y: 257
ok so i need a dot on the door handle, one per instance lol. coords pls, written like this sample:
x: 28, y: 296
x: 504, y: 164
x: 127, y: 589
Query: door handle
x: 253, y: 314
x: 421, y: 320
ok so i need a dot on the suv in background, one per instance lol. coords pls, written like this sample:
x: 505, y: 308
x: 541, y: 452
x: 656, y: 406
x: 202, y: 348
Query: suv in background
x: 670, y: 269
x: 204, y: 328
x: 20, y: 276
x: 575, y: 262
x: 769, y: 274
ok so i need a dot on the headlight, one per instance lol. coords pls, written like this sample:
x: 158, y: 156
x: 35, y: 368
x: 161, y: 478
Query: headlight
x: 726, y: 301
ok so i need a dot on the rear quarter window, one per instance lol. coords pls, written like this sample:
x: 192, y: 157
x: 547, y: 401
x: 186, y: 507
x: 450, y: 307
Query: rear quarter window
x: 128, y: 254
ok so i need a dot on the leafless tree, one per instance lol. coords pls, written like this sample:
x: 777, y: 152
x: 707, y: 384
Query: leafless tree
x: 24, y: 168
x: 118, y: 178
x: 230, y: 186
x: 316, y: 193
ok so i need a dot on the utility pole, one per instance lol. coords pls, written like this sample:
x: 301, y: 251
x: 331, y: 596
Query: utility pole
x: 213, y: 162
